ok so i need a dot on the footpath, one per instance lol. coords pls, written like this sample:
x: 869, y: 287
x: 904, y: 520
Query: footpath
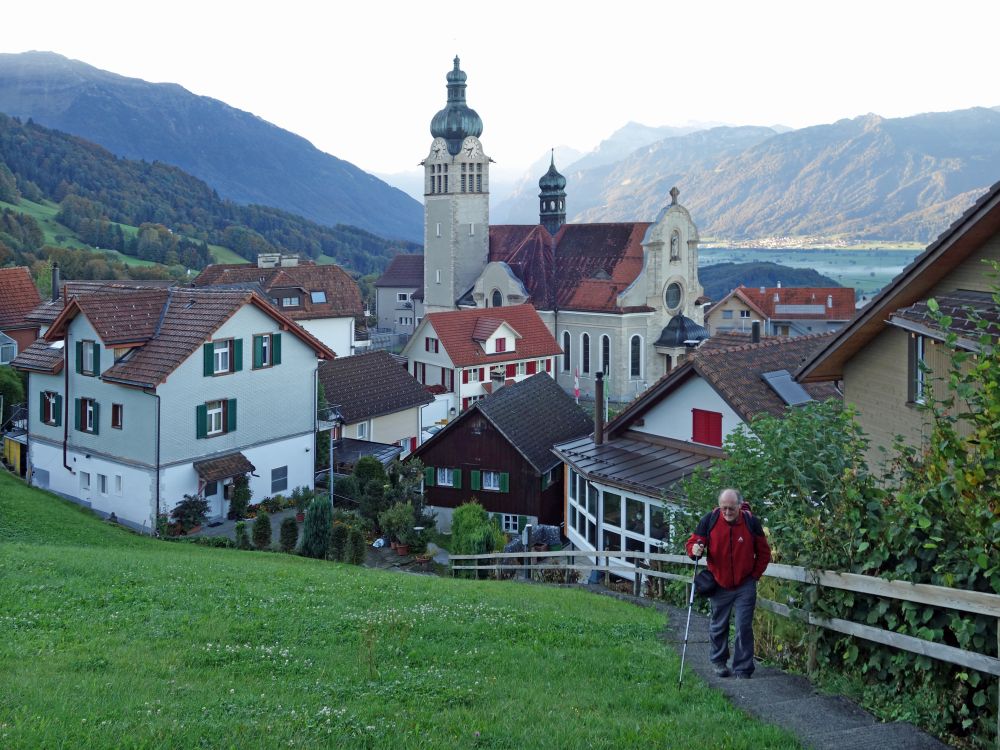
x: 821, y: 722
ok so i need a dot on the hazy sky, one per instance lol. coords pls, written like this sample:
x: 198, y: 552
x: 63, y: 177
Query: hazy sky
x: 362, y: 80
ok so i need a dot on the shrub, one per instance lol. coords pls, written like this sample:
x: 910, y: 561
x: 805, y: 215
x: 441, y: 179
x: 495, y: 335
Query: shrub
x: 262, y: 530
x: 316, y: 530
x: 273, y: 504
x: 189, y: 512
x: 397, y: 521
x: 346, y: 489
x: 242, y: 538
x: 289, y: 534
x: 473, y: 532
x: 354, y: 550
x: 338, y: 540
x: 240, y: 498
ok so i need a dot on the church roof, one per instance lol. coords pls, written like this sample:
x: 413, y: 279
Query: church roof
x: 584, y: 267
x: 457, y: 120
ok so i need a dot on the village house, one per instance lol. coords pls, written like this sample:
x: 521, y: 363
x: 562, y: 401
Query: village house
x: 399, y: 295
x: 888, y: 355
x: 18, y: 297
x: 782, y: 311
x: 499, y: 453
x: 140, y: 397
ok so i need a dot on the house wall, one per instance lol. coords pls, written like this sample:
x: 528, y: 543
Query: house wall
x: 715, y: 321
x: 671, y: 417
x: 336, y: 333
x: 972, y: 274
x: 272, y: 403
x: 474, y: 443
x: 391, y: 428
x: 390, y: 309
x: 23, y: 337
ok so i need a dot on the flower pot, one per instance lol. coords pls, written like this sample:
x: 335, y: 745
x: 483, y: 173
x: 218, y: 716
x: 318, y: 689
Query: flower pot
x: 393, y: 545
x: 300, y: 517
x: 402, y: 549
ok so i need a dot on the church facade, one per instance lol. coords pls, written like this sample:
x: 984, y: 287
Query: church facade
x: 620, y: 298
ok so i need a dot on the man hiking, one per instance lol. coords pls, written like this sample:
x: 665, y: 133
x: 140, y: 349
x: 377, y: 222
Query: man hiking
x: 738, y: 554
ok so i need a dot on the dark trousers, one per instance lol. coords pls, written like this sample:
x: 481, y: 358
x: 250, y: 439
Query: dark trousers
x: 743, y: 599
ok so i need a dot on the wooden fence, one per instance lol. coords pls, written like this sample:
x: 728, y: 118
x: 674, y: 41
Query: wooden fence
x: 619, y: 564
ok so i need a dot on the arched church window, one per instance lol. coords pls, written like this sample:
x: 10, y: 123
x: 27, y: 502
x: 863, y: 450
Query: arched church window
x: 585, y: 352
x: 605, y: 354
x: 635, y: 357
x: 566, y: 352
x: 496, y: 299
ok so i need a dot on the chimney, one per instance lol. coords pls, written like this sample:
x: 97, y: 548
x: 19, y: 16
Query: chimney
x: 599, y: 408
x: 755, y: 332
x: 55, y: 281
x: 776, y: 296
x: 829, y: 301
x: 779, y: 285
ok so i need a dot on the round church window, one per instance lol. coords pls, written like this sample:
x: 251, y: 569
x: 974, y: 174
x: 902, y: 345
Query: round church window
x: 672, y: 296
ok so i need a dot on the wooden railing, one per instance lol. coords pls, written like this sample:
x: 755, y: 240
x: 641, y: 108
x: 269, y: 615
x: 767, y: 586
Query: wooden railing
x: 618, y: 563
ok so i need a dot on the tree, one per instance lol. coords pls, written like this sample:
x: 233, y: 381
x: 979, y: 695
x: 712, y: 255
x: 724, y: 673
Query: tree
x: 473, y: 532
x: 12, y: 390
x: 240, y: 499
x: 316, y: 529
x: 262, y: 530
x: 289, y: 534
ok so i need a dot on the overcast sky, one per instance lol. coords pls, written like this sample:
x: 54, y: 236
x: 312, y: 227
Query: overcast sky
x: 362, y: 80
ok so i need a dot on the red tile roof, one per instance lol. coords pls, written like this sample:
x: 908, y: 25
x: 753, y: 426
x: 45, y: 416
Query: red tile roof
x: 41, y: 356
x: 343, y: 298
x: 485, y: 327
x: 405, y: 271
x: 790, y: 303
x: 455, y: 330
x: 18, y: 296
x: 49, y: 310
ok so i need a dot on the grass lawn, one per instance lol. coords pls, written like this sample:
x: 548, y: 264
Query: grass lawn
x: 115, y: 640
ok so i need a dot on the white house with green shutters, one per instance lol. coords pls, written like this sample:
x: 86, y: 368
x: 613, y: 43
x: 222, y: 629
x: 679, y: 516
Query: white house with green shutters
x: 144, y: 396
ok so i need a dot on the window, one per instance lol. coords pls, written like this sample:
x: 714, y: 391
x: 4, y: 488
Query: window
x: 727, y: 314
x: 87, y: 412
x: 612, y: 509
x: 491, y: 480
x: 448, y: 477
x: 566, y: 354
x: 437, y: 274
x: 84, y: 480
x: 605, y: 354
x: 279, y: 479
x: 501, y: 343
x: 474, y: 374
x: 672, y: 295
x: 635, y: 515
x: 508, y: 522
x: 402, y: 296
x: 211, y: 488
x: 497, y: 300
x: 7, y: 352
x: 118, y: 484
x: 317, y: 298
x: 585, y: 352
x: 431, y: 344
x: 102, y: 484
x: 917, y: 368
x: 51, y: 408
x: 117, y: 415
x: 215, y: 418
x: 363, y: 431
x: 635, y: 357
x: 223, y: 357
x: 266, y: 350
x: 88, y: 357
x: 706, y: 427
x: 744, y: 314
x: 291, y: 301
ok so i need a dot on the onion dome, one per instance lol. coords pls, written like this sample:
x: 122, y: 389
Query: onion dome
x: 552, y: 181
x: 682, y: 331
x: 456, y: 121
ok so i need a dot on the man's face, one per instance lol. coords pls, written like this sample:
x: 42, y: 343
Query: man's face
x: 729, y: 506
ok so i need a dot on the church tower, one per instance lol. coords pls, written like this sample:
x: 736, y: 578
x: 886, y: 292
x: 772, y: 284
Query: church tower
x: 552, y: 198
x: 456, y: 201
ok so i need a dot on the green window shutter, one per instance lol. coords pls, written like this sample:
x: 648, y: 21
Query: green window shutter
x: 429, y: 476
x: 522, y: 521
x: 79, y: 357
x: 76, y: 413
x: 231, y: 415
x: 209, y: 351
x: 258, y: 351
x: 97, y: 418
x: 97, y: 358
x: 41, y: 407
x: 504, y: 481
x: 275, y: 348
x: 474, y: 481
x: 58, y: 409
x: 201, y: 421
x: 237, y: 355
x: 456, y: 478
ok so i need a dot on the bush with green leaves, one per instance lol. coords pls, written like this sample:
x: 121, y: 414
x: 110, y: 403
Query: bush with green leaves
x: 190, y: 512
x: 288, y: 536
x: 262, y: 530
x: 474, y: 532
x: 354, y: 549
x: 316, y: 529
x: 398, y: 521
x: 241, y: 496
x: 338, y: 540
x: 242, y: 537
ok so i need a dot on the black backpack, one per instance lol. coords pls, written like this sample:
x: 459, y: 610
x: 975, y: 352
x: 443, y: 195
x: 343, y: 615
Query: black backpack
x: 708, y: 521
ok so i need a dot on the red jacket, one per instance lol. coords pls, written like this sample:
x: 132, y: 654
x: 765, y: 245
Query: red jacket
x: 736, y: 551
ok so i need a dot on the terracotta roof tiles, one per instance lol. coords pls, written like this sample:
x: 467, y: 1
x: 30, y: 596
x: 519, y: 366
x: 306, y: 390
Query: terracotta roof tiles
x: 370, y: 385
x: 18, y: 296
x: 958, y: 307
x: 831, y: 303
x: 455, y: 331
x: 41, y: 356
x: 46, y: 312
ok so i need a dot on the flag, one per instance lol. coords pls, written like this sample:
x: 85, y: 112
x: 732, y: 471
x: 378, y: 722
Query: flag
x: 576, y: 384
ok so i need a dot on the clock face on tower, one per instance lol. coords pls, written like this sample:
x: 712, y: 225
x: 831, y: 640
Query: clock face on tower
x: 439, y: 149
x: 471, y: 148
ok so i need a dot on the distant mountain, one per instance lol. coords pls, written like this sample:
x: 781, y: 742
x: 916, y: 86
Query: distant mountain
x: 867, y: 178
x: 241, y: 156
x: 720, y: 279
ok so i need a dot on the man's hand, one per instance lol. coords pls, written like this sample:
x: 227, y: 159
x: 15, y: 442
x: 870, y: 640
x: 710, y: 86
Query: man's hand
x: 698, y: 549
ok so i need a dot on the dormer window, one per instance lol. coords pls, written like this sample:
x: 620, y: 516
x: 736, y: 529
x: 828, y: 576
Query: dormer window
x: 290, y: 301
x: 318, y: 298
x: 501, y: 344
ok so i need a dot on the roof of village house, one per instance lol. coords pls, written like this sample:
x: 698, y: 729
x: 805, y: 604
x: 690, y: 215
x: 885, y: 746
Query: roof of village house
x: 796, y: 302
x: 18, y: 296
x: 964, y: 309
x: 404, y: 271
x: 46, y: 312
x: 729, y: 339
x: 223, y: 467
x: 638, y: 462
x: 343, y: 298
x: 736, y: 375
x: 42, y: 356
x: 584, y: 267
x: 369, y: 385
x: 953, y: 247
x: 532, y: 415
x: 456, y: 330
x: 166, y: 326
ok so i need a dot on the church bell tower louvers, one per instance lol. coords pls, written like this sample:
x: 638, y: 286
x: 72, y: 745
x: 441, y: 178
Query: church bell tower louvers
x: 456, y: 201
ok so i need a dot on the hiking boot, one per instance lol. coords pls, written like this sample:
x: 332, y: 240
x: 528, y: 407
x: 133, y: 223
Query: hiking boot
x: 721, y: 670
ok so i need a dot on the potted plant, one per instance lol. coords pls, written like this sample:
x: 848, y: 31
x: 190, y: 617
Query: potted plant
x: 301, y: 496
x: 397, y: 522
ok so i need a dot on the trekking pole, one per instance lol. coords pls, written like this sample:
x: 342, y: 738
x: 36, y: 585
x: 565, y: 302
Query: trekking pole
x: 687, y: 628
